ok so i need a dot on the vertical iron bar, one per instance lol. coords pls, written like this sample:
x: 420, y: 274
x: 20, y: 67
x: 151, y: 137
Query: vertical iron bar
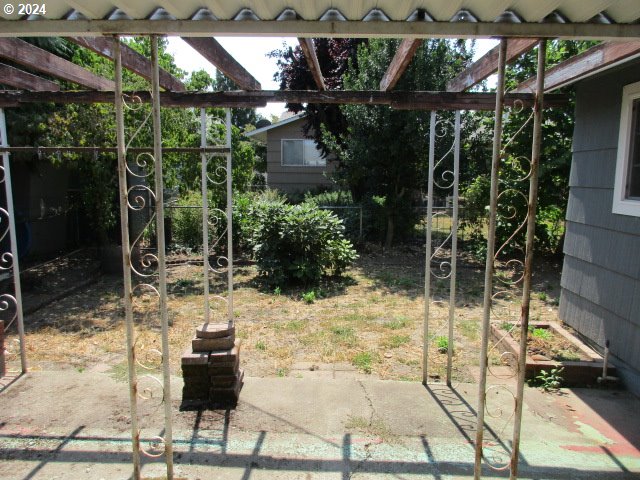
x: 157, y: 153
x: 360, y: 222
x: 528, y: 260
x: 427, y: 266
x: 454, y: 245
x: 229, y: 218
x: 13, y: 242
x: 491, y: 245
x: 126, y: 259
x: 205, y: 215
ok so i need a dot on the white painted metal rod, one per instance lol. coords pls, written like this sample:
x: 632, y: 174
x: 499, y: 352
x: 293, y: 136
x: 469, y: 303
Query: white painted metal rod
x: 126, y: 259
x: 15, y: 262
x: 489, y: 265
x: 454, y: 246
x: 428, y: 247
x: 205, y: 215
x: 159, y: 186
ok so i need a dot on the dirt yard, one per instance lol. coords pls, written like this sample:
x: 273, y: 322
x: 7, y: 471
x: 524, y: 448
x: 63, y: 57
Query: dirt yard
x: 371, y: 320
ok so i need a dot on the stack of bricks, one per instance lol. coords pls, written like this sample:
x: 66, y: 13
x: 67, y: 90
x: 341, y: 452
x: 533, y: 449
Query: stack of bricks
x: 210, y: 368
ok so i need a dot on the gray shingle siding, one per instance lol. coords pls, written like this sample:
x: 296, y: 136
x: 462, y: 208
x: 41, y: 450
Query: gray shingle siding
x: 601, y: 274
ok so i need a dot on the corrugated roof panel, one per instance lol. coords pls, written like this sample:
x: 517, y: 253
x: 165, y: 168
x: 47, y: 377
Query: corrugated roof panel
x: 487, y: 10
x: 535, y: 11
x: 581, y: 11
x: 624, y: 11
x: 137, y: 9
x: 91, y: 9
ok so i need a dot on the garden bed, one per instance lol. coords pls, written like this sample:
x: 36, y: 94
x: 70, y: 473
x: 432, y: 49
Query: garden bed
x: 550, y: 345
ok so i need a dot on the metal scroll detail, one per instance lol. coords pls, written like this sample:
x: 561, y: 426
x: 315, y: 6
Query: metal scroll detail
x: 10, y: 304
x: 143, y: 244
x: 217, y: 225
x: 442, y: 227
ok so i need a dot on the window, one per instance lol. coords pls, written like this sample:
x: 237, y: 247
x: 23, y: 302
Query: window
x: 626, y: 191
x: 301, y: 153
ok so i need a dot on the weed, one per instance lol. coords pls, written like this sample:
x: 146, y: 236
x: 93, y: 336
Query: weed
x: 396, y: 340
x: 541, y: 333
x: 550, y: 380
x: 294, y: 325
x: 80, y: 369
x: 443, y: 344
x: 260, y: 345
x: 565, y: 355
x: 343, y: 332
x: 309, y: 297
x: 277, y: 291
x: 469, y: 329
x: 542, y: 296
x: 363, y: 361
x: 397, y: 323
x: 507, y: 326
x: 281, y: 372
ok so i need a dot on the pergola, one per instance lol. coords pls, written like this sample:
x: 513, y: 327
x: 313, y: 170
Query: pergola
x: 97, y: 25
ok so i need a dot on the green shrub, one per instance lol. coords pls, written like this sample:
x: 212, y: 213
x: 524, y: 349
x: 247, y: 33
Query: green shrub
x: 299, y: 244
x: 186, y: 223
x: 245, y: 216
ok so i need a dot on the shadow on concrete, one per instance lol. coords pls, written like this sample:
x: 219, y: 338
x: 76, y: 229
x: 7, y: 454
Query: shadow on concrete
x: 346, y: 465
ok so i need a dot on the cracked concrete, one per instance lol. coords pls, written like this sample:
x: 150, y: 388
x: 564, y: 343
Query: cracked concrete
x: 76, y: 425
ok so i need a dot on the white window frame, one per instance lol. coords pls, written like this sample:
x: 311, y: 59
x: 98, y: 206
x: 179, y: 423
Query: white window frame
x: 621, y: 203
x: 282, y: 140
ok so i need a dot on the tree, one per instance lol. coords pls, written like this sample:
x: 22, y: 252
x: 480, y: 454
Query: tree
x: 335, y: 56
x: 553, y: 190
x: 383, y: 154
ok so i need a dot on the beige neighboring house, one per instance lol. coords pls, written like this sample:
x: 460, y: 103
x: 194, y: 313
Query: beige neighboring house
x: 294, y: 164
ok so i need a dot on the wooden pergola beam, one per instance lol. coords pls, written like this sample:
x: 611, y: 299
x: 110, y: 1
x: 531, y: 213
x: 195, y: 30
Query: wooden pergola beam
x: 309, y: 50
x: 26, y: 81
x: 210, y: 49
x: 488, y: 64
x: 254, y: 99
x: 35, y: 58
x: 399, y: 63
x: 584, y: 64
x: 131, y: 60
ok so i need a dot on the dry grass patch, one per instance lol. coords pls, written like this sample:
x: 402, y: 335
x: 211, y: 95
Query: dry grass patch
x: 372, y: 319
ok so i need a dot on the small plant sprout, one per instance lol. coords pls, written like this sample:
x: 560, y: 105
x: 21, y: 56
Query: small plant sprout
x: 277, y: 291
x: 550, y: 380
x: 541, y: 333
x: 309, y: 297
x: 443, y: 344
x: 260, y: 345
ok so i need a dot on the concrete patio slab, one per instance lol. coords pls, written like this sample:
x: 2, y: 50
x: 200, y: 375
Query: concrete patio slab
x: 66, y: 424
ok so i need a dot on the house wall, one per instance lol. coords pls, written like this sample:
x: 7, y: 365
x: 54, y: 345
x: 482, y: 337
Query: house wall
x: 601, y: 275
x: 292, y: 179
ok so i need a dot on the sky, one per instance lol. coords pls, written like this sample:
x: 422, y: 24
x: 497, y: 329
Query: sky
x: 251, y: 53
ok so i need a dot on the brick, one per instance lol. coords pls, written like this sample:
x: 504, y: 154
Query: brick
x: 226, y: 380
x: 226, y: 394
x: 225, y: 356
x: 209, y: 344
x: 194, y: 358
x: 215, y: 330
x: 195, y: 370
x: 224, y: 368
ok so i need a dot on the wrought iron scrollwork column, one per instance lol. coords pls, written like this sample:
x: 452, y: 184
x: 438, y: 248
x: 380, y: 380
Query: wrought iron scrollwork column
x: 446, y: 177
x: 223, y: 263
x: 520, y: 276
x: 147, y: 267
x: 489, y: 265
x: 12, y: 304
